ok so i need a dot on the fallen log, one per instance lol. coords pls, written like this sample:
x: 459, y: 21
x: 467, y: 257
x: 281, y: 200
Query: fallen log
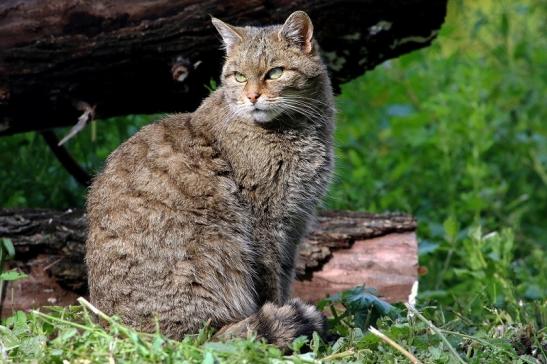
x: 344, y: 249
x: 150, y: 56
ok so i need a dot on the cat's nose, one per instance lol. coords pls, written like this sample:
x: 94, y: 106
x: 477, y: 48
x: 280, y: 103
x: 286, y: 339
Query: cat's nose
x: 253, y: 96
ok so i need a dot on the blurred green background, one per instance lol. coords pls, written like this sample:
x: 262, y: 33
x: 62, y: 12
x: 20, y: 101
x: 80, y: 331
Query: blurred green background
x: 455, y: 134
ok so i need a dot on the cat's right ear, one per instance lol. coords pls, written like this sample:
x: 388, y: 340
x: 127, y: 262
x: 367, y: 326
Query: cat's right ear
x: 298, y: 29
x: 231, y: 36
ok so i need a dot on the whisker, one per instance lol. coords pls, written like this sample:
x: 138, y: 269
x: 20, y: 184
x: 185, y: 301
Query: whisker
x: 310, y: 113
x: 302, y: 101
x: 310, y: 109
x: 312, y: 100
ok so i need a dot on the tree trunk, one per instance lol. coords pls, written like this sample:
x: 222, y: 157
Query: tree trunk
x: 344, y: 249
x: 148, y: 56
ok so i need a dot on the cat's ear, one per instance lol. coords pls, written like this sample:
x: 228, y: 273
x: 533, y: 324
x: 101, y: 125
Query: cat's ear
x: 298, y: 29
x: 231, y: 36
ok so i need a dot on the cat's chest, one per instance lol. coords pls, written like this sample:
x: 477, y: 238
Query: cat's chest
x: 282, y: 179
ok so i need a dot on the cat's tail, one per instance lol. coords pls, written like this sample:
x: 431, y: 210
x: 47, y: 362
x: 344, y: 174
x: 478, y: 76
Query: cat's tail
x: 278, y: 325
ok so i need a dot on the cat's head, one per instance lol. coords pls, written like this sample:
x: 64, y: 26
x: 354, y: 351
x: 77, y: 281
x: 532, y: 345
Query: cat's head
x: 273, y: 70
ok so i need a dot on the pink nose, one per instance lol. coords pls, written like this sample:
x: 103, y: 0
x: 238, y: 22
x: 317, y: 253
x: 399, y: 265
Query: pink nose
x: 253, y: 96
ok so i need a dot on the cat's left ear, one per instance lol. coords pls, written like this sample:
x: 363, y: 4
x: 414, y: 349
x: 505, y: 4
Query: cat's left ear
x: 230, y: 35
x: 298, y: 29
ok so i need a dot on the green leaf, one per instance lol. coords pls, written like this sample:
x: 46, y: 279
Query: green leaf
x: 66, y: 335
x: 208, y: 358
x: 427, y: 246
x: 12, y: 275
x: 298, y: 343
x: 315, y: 343
x: 7, y: 244
x: 451, y: 228
x: 8, y: 338
x: 220, y: 347
x: 33, y: 346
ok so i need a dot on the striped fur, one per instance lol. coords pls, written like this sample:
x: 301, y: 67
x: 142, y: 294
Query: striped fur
x: 198, y: 217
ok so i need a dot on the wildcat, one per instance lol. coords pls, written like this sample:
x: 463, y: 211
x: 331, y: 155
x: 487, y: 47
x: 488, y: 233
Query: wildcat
x: 197, y: 217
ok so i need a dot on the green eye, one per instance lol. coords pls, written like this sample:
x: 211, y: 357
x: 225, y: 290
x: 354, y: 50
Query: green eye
x: 240, y: 77
x: 274, y: 73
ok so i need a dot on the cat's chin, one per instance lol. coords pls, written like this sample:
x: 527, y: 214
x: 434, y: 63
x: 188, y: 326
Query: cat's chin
x: 262, y: 116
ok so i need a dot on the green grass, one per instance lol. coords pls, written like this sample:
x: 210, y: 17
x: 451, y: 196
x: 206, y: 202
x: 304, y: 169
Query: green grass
x: 73, y: 334
x: 455, y: 134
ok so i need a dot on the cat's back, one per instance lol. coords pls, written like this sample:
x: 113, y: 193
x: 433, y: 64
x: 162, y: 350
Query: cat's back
x: 172, y: 146
x: 168, y: 167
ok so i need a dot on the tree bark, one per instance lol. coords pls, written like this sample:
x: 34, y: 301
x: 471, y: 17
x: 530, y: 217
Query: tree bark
x: 344, y: 249
x: 150, y: 56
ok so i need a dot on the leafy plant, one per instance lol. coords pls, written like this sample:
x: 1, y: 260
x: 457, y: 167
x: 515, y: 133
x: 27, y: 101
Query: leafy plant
x: 456, y: 136
x: 360, y: 306
x: 7, y: 251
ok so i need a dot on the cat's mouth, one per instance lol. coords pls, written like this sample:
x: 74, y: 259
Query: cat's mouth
x: 261, y: 115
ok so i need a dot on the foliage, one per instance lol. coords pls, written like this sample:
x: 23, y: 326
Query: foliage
x: 361, y: 309
x: 36, y: 169
x: 77, y: 337
x: 454, y: 134
x: 7, y: 252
